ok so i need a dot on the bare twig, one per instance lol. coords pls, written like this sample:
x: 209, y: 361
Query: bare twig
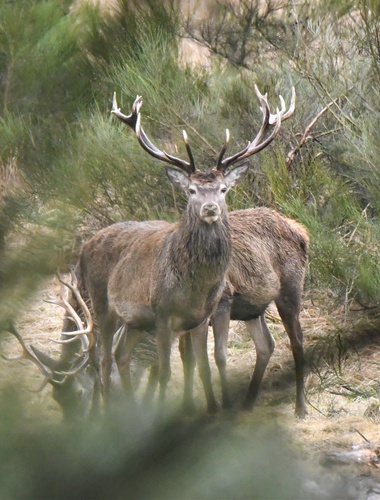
x: 362, y: 435
x: 305, y: 137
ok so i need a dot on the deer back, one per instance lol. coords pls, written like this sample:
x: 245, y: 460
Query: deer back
x: 117, y: 261
x: 269, y: 252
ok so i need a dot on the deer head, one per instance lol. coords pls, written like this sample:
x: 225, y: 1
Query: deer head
x: 70, y: 376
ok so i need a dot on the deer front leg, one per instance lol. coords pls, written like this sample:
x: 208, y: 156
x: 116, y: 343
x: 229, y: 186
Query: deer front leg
x: 95, y: 400
x: 264, y: 344
x: 188, y: 363
x: 220, y: 324
x: 164, y: 344
x: 199, y: 343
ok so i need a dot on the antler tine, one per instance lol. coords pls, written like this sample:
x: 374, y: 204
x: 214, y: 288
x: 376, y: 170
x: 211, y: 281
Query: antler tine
x: 73, y: 338
x: 260, y: 142
x: 292, y: 106
x: 133, y: 121
x: 84, y: 333
x: 284, y: 114
x: 224, y: 149
x: 84, y: 361
x: 247, y: 151
x: 189, y: 152
x: 80, y: 334
x: 28, y: 354
x: 65, y: 304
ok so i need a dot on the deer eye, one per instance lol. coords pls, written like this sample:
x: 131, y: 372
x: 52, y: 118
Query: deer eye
x: 192, y: 191
x: 223, y: 189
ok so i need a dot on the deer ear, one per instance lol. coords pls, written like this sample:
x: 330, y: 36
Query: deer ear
x: 236, y: 174
x: 178, y: 178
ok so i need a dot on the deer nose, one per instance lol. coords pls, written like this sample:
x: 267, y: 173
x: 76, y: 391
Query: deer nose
x: 210, y: 212
x: 210, y: 209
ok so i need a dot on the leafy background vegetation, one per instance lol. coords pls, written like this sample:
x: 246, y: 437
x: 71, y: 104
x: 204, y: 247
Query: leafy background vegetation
x: 67, y: 167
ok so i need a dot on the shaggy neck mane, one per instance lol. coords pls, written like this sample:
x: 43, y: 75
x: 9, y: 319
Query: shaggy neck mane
x: 197, y: 244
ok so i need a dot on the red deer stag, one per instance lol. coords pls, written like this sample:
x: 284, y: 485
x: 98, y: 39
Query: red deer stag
x: 164, y: 279
x: 268, y: 263
x: 257, y: 275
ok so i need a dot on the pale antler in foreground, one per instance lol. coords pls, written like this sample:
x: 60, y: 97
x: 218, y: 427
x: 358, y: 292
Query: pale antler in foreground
x: 67, y: 375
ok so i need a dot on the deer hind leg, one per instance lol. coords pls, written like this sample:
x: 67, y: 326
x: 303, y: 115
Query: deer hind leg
x: 188, y: 363
x: 288, y: 308
x: 264, y: 344
x: 199, y: 343
x: 220, y: 324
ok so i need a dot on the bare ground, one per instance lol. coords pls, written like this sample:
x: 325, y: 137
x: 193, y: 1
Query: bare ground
x: 342, y: 385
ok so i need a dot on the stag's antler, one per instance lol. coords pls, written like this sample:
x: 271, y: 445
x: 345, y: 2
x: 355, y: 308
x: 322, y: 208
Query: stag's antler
x: 84, y: 331
x: 260, y: 141
x: 133, y: 121
x: 84, y: 334
x: 28, y: 353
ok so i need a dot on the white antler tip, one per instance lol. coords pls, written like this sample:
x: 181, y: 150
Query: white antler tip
x: 114, y: 103
x: 293, y: 101
x: 138, y: 125
x: 227, y: 136
x: 185, y: 138
x: 257, y: 91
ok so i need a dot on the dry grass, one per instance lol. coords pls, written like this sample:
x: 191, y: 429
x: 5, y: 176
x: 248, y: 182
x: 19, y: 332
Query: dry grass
x: 342, y: 411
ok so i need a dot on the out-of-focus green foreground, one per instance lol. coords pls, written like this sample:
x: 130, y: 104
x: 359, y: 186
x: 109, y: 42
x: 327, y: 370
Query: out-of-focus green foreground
x: 69, y: 168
